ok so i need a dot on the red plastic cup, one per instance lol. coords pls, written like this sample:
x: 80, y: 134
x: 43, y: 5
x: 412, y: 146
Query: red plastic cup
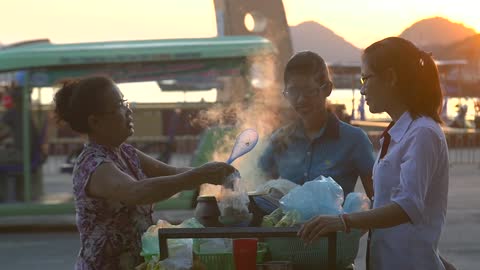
x: 245, y: 253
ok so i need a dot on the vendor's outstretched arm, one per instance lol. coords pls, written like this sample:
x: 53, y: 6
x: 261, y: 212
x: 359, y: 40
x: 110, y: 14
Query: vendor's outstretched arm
x: 109, y: 182
x: 155, y: 168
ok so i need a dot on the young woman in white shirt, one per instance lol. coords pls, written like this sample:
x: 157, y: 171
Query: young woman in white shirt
x: 410, y: 176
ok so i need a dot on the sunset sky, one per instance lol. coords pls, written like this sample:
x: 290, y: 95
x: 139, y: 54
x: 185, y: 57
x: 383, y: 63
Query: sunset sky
x: 359, y: 22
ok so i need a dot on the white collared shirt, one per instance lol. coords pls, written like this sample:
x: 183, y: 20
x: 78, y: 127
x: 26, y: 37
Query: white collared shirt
x: 414, y: 175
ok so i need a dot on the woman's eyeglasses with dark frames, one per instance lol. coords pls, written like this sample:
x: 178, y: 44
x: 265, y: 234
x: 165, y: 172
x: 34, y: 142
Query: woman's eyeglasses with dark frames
x: 122, y: 104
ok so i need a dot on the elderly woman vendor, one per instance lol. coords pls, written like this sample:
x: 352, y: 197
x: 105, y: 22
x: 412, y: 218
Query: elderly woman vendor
x: 317, y: 143
x: 115, y: 184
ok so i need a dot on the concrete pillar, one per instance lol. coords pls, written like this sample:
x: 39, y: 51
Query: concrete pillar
x: 269, y: 22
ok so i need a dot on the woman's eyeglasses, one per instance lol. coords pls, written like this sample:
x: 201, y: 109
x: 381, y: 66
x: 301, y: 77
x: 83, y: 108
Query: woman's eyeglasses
x: 122, y: 104
x: 293, y: 94
x: 365, y: 78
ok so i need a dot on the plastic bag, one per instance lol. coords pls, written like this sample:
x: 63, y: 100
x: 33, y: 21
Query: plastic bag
x: 150, y: 237
x: 289, y: 219
x: 180, y: 255
x: 321, y: 196
x: 356, y: 202
x: 272, y: 219
x: 179, y: 250
x: 276, y: 186
x: 233, y: 203
x: 280, y: 219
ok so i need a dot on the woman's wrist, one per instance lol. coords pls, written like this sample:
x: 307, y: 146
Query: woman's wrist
x: 192, y: 178
x: 179, y: 170
x: 196, y: 176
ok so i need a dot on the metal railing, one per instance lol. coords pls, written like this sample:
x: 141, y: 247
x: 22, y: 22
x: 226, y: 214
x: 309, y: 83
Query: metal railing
x: 464, y: 147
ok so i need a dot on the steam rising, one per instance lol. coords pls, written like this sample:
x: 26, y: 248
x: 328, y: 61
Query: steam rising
x: 256, y: 103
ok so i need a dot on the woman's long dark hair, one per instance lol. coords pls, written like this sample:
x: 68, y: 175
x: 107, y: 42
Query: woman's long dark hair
x: 418, y: 82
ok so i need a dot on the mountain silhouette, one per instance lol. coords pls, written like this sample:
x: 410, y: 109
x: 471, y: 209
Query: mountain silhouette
x: 315, y: 37
x: 433, y: 32
x: 468, y: 49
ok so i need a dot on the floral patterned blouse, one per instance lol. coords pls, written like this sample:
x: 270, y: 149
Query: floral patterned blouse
x: 110, y: 231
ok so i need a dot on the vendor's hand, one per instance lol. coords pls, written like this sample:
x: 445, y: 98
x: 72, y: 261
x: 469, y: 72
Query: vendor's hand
x: 214, y: 172
x: 318, y: 227
x: 232, y: 180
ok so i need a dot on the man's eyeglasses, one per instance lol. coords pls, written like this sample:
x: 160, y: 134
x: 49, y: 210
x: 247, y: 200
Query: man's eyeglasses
x: 364, y: 79
x: 293, y: 94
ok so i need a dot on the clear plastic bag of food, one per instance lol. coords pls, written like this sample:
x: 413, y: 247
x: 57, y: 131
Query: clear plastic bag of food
x: 150, y: 246
x: 290, y: 219
x: 272, y: 219
x: 233, y: 203
x: 321, y: 196
x: 356, y: 202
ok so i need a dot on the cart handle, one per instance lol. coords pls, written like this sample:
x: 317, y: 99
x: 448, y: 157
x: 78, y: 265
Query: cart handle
x: 239, y: 232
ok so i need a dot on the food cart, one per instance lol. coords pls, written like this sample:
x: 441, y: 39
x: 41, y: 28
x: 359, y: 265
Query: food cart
x: 245, y: 232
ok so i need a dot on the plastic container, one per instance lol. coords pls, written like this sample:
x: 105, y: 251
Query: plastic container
x: 315, y: 256
x: 244, y: 253
x: 225, y: 260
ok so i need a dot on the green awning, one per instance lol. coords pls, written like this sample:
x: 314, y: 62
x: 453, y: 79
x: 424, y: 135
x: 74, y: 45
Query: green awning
x: 211, y: 69
x: 46, y: 55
